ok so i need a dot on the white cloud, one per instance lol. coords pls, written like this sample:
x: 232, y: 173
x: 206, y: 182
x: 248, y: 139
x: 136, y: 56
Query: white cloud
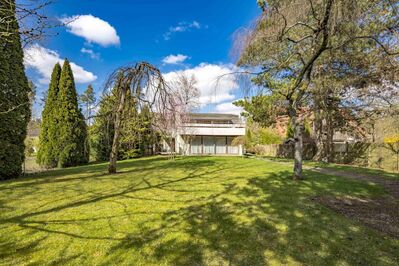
x: 91, y: 53
x: 181, y: 27
x: 215, y: 82
x: 195, y: 24
x: 228, y: 108
x: 92, y: 29
x: 174, y: 59
x: 43, y: 60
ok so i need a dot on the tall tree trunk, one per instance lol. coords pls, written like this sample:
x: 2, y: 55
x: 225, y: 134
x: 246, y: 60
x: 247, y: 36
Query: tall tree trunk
x: 329, y: 138
x: 88, y: 113
x: 298, y: 148
x: 318, y: 122
x: 115, y: 144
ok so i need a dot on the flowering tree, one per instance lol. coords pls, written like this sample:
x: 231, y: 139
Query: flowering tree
x: 183, y: 100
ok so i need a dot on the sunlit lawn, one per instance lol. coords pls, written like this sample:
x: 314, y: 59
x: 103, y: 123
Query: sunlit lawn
x: 357, y: 170
x: 345, y: 168
x: 188, y: 211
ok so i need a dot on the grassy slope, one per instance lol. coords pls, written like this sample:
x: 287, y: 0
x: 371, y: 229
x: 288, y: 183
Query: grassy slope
x: 189, y: 211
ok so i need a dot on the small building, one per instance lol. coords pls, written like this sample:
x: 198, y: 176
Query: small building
x: 208, y: 134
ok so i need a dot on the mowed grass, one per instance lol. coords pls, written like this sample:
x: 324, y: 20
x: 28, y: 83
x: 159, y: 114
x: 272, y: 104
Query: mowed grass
x: 187, y: 211
x: 368, y: 171
x: 357, y: 170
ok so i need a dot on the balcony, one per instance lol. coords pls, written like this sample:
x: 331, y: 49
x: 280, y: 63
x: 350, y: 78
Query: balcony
x: 237, y: 129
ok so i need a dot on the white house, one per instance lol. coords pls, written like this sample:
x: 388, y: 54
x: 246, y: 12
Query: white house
x: 208, y: 134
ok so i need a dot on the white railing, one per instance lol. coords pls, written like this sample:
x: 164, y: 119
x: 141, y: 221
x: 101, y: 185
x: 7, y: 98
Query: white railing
x: 212, y: 130
x: 236, y: 125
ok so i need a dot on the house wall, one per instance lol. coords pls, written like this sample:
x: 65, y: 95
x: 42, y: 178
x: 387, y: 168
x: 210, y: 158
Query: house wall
x: 203, y: 145
x: 213, y: 130
x: 183, y: 144
x: 211, y: 145
x: 209, y: 134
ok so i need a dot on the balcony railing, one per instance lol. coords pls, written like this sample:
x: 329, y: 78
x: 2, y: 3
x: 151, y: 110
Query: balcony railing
x: 236, y: 125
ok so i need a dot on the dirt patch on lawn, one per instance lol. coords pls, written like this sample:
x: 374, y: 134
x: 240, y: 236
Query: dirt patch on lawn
x: 382, y: 214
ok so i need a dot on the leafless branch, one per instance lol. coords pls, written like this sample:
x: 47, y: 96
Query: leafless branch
x: 14, y: 108
x: 31, y: 16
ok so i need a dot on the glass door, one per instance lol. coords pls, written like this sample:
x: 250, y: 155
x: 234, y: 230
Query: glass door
x: 209, y: 145
x: 220, y: 145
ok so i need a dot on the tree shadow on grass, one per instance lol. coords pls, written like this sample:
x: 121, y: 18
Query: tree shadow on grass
x: 70, y: 176
x: 269, y: 219
x: 80, y: 172
x: 201, y: 234
x: 37, y: 221
x: 136, y: 185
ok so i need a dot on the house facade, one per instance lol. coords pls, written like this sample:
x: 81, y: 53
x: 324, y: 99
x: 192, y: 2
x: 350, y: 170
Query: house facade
x: 208, y: 134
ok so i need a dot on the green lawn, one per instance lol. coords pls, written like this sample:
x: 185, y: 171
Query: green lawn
x: 188, y: 211
x: 356, y: 169
x: 341, y: 167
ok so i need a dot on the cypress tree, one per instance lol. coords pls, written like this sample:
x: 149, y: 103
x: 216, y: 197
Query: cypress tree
x: 48, y: 152
x: 14, y: 95
x: 72, y: 130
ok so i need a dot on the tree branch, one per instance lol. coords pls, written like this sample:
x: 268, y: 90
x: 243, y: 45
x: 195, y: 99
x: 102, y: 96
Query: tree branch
x: 14, y: 108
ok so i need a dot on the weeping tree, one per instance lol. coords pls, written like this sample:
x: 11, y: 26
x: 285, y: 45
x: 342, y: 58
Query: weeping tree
x: 293, y: 38
x: 143, y: 83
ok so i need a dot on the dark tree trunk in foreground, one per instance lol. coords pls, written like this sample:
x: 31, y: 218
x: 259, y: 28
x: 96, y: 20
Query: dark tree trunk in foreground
x: 298, y: 157
x: 298, y: 143
x: 118, y: 121
x: 329, y: 138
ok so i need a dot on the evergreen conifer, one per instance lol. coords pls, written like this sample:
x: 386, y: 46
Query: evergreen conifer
x: 48, y: 152
x: 14, y: 95
x: 73, y: 148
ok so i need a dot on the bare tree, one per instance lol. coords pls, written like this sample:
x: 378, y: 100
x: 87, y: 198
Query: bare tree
x: 32, y: 18
x: 293, y: 38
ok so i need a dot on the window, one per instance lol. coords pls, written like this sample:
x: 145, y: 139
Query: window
x: 208, y: 121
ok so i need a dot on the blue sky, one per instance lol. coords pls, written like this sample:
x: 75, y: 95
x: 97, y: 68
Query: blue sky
x: 175, y: 35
